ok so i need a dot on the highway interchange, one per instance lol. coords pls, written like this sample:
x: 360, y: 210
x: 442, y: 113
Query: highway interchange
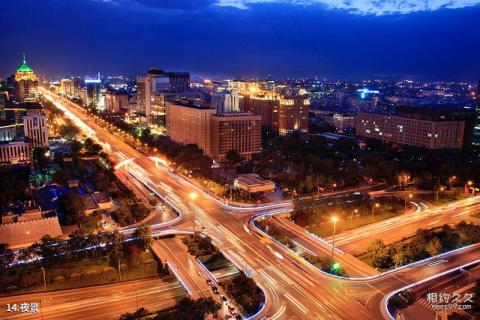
x: 294, y: 289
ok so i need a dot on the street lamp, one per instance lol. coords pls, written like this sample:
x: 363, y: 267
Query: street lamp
x: 334, y: 220
x: 193, y: 196
x: 376, y: 205
x: 351, y: 216
x: 436, y: 196
x: 410, y: 196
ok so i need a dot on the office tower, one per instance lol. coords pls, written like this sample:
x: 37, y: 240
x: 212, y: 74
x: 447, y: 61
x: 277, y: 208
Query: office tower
x: 93, y: 92
x: 412, y: 129
x: 235, y: 131
x: 116, y: 101
x: 154, y: 87
x: 225, y: 101
x: 190, y: 124
x: 2, y: 106
x: 25, y: 83
x: 36, y: 129
x: 67, y: 87
x: 266, y: 105
x: 293, y: 115
x: 477, y: 120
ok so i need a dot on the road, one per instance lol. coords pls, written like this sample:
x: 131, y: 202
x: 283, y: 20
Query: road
x: 294, y: 289
x: 183, y: 265
x: 354, y: 267
x: 99, y: 302
x: 356, y: 240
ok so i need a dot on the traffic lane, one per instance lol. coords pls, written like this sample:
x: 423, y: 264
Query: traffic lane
x: 99, y: 302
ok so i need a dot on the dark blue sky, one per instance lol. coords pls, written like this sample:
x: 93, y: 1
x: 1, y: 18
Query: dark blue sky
x: 344, y: 40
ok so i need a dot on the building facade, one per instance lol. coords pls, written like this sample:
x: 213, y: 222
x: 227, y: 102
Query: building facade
x: 411, y: 131
x: 26, y: 83
x: 93, y: 92
x: 293, y: 115
x: 190, y: 124
x: 151, y: 91
x: 36, y: 129
x: 265, y: 105
x: 116, y: 101
x: 239, y: 132
x: 225, y: 101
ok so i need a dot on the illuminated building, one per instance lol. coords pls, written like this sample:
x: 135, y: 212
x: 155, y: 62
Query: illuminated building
x: 93, y: 92
x: 15, y: 147
x: 152, y: 89
x: 2, y: 107
x: 414, y: 131
x: 225, y: 101
x: 36, y: 129
x: 293, y: 115
x: 25, y: 82
x: 190, y: 124
x: 14, y: 152
x: 477, y: 120
x: 67, y: 87
x: 265, y: 105
x: 235, y: 131
x: 116, y: 101
x: 214, y: 134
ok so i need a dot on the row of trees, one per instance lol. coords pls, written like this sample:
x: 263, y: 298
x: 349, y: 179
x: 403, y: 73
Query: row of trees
x: 185, y: 309
x: 305, y: 163
x: 245, y: 292
x: 424, y: 244
x: 325, y: 264
x: 79, y: 245
x: 310, y: 212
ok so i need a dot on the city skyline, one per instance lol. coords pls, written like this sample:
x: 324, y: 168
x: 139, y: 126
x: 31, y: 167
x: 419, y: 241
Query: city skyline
x: 433, y: 42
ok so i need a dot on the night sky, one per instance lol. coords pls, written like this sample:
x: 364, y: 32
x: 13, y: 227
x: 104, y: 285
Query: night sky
x: 350, y: 40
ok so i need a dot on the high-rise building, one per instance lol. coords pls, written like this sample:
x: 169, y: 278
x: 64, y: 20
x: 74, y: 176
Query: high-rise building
x: 2, y: 107
x: 26, y: 82
x: 225, y: 101
x: 293, y: 115
x: 116, y: 101
x: 152, y: 89
x: 214, y: 134
x: 477, y: 120
x: 241, y: 132
x: 190, y: 124
x: 36, y: 129
x: 265, y: 105
x: 93, y: 92
x: 67, y: 87
x: 423, y: 133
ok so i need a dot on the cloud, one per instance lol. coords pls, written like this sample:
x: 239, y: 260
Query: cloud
x: 366, y: 7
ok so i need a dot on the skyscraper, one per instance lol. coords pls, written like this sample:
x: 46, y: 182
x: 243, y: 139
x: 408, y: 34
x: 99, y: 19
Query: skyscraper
x: 93, y: 92
x: 477, y: 115
x: 25, y: 82
x: 225, y: 101
x: 293, y: 115
x: 152, y: 89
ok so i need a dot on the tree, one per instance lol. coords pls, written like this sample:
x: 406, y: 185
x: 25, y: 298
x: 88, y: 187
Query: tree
x: 142, y: 236
x: 6, y: 256
x: 75, y: 147
x: 115, y: 248
x: 434, y: 246
x: 68, y: 131
x: 40, y: 157
x: 233, y: 157
x: 51, y: 249
x: 72, y: 206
